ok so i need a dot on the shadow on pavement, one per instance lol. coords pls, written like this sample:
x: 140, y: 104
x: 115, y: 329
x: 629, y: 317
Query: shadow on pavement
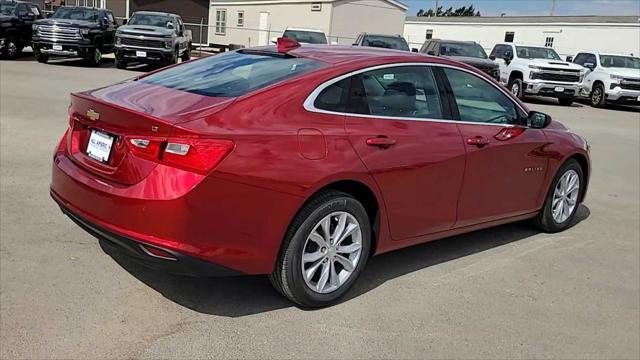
x: 241, y: 296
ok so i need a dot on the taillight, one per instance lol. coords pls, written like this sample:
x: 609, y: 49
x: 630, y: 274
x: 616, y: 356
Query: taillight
x: 197, y: 155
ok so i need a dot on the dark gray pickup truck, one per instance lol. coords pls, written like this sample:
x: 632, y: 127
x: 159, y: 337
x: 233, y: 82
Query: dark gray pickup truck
x: 152, y: 38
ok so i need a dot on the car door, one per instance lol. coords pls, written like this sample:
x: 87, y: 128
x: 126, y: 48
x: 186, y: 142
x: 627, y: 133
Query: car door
x: 396, y: 122
x: 505, y: 169
x: 182, y: 42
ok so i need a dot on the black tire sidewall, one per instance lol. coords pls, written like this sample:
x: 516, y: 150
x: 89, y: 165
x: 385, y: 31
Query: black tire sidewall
x: 520, y: 91
x: 546, y: 221
x: 293, y: 272
x: 601, y: 102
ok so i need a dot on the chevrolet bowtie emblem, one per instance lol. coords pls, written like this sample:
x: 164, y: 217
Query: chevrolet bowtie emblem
x: 141, y: 37
x: 93, y: 115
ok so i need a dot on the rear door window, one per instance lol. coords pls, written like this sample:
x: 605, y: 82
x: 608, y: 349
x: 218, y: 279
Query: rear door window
x: 232, y: 74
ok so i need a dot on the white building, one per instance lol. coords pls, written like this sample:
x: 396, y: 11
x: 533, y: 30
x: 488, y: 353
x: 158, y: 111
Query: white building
x: 255, y: 22
x: 566, y: 34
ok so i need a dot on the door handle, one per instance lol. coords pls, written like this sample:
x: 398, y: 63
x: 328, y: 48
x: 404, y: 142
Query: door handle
x: 478, y: 141
x: 382, y: 142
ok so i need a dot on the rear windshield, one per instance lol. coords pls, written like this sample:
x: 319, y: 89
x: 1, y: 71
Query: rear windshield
x: 308, y: 37
x: 387, y: 42
x: 231, y: 74
x: 75, y: 14
x: 462, y: 49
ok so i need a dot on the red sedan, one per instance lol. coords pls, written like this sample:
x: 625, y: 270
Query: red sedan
x: 303, y: 161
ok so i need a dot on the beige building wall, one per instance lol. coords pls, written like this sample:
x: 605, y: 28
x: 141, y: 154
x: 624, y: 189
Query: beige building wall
x: 280, y: 16
x: 351, y: 17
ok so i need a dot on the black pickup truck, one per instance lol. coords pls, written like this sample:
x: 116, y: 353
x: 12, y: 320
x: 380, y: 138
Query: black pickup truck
x: 16, y: 18
x: 84, y: 32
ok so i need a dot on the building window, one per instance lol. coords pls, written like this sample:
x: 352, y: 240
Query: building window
x: 316, y: 6
x: 508, y: 36
x: 221, y: 21
x: 429, y: 34
x: 241, y: 18
x: 548, y: 42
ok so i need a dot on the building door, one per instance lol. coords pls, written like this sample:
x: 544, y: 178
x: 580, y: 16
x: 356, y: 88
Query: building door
x: 263, y: 27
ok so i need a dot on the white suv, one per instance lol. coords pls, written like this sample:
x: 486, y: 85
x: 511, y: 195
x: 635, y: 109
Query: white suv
x: 610, y: 78
x: 536, y: 70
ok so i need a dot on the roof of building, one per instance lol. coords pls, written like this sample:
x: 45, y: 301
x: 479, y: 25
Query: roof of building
x: 276, y: 2
x: 527, y: 19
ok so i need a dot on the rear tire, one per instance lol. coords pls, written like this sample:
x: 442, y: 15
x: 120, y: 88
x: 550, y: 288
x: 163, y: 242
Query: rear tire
x: 597, y: 97
x: 555, y: 216
x: 565, y: 101
x: 11, y: 49
x: 322, y: 278
x: 515, y: 86
x: 95, y: 57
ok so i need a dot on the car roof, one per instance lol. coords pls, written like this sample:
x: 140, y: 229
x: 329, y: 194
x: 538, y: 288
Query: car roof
x: 335, y: 54
x: 303, y: 29
x: 455, y: 41
x: 382, y: 35
x: 154, y: 13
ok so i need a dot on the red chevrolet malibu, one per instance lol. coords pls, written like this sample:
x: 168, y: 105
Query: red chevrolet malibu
x: 301, y: 162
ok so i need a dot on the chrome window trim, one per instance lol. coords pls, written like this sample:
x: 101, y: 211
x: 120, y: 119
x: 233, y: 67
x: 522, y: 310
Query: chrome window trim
x: 309, y: 103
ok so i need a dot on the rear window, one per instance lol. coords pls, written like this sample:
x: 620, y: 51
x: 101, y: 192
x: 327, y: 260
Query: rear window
x: 232, y: 74
x: 387, y: 42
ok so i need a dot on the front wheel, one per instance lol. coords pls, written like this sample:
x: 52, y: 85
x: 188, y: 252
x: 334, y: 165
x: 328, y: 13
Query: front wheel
x: 565, y: 101
x: 597, y: 98
x: 324, y: 251
x: 515, y: 86
x: 41, y: 58
x: 11, y: 49
x: 563, y: 199
x: 186, y: 56
x: 95, y: 57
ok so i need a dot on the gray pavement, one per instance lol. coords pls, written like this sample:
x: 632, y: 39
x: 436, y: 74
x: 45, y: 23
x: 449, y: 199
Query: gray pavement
x: 506, y: 292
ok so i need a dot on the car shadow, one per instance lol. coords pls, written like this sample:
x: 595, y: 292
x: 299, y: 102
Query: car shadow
x: 548, y: 101
x: 248, y: 295
x: 614, y: 107
x: 79, y: 62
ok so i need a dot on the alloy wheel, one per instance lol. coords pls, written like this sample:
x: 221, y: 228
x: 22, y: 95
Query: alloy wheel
x: 565, y: 196
x: 12, y: 50
x: 331, y: 252
x: 97, y: 56
x: 515, y: 89
x: 596, y: 96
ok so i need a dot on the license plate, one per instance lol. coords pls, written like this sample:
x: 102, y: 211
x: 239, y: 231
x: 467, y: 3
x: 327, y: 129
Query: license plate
x: 638, y: 98
x: 57, y: 47
x: 99, y: 147
x: 559, y: 89
x: 141, y: 53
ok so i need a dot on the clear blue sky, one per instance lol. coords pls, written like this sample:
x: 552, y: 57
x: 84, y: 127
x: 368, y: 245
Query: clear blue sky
x: 534, y: 7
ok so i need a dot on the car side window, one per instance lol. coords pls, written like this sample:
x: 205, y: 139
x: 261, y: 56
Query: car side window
x: 592, y: 59
x: 403, y: 91
x: 499, y: 51
x: 423, y: 48
x: 334, y: 97
x: 580, y: 59
x: 478, y: 101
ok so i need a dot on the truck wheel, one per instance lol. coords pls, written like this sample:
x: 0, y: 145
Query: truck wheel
x: 95, y: 56
x: 565, y: 101
x: 515, y: 86
x: 186, y: 56
x: 597, y: 96
x: 121, y: 64
x: 11, y: 49
x: 176, y: 57
x: 41, y: 58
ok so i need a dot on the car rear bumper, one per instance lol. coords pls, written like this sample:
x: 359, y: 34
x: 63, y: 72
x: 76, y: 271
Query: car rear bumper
x: 181, y: 264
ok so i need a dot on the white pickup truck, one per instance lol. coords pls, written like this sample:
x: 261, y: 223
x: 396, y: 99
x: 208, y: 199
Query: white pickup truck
x: 610, y: 78
x: 535, y: 70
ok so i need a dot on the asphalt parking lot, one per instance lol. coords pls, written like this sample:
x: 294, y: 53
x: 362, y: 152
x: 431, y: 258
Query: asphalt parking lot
x: 506, y: 292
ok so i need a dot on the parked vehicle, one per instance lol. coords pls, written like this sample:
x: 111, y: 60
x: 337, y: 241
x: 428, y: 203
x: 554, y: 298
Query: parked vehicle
x: 302, y: 161
x: 396, y: 42
x: 16, y: 18
x: 534, y: 70
x: 153, y: 38
x: 304, y: 36
x: 610, y: 78
x: 84, y: 32
x: 468, y: 52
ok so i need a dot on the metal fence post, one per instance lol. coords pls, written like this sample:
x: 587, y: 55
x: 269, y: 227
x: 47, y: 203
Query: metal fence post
x: 200, y: 40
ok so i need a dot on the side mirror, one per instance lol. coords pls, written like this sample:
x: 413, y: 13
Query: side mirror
x: 414, y: 50
x: 569, y: 59
x: 431, y: 52
x: 589, y: 66
x: 27, y: 16
x: 492, y: 57
x: 538, y: 120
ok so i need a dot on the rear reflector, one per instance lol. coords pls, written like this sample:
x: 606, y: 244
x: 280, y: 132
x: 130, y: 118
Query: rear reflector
x: 157, y: 253
x: 197, y: 155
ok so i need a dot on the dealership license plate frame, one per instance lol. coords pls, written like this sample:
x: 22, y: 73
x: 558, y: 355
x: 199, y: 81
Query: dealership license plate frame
x: 559, y: 89
x: 96, y: 151
x: 57, y: 47
x: 141, y: 54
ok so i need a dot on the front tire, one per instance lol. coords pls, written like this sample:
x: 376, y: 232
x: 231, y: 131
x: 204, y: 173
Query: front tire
x: 186, y: 56
x: 515, y: 86
x: 597, y: 97
x: 324, y: 250
x: 563, y: 199
x: 11, y: 49
x: 95, y: 57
